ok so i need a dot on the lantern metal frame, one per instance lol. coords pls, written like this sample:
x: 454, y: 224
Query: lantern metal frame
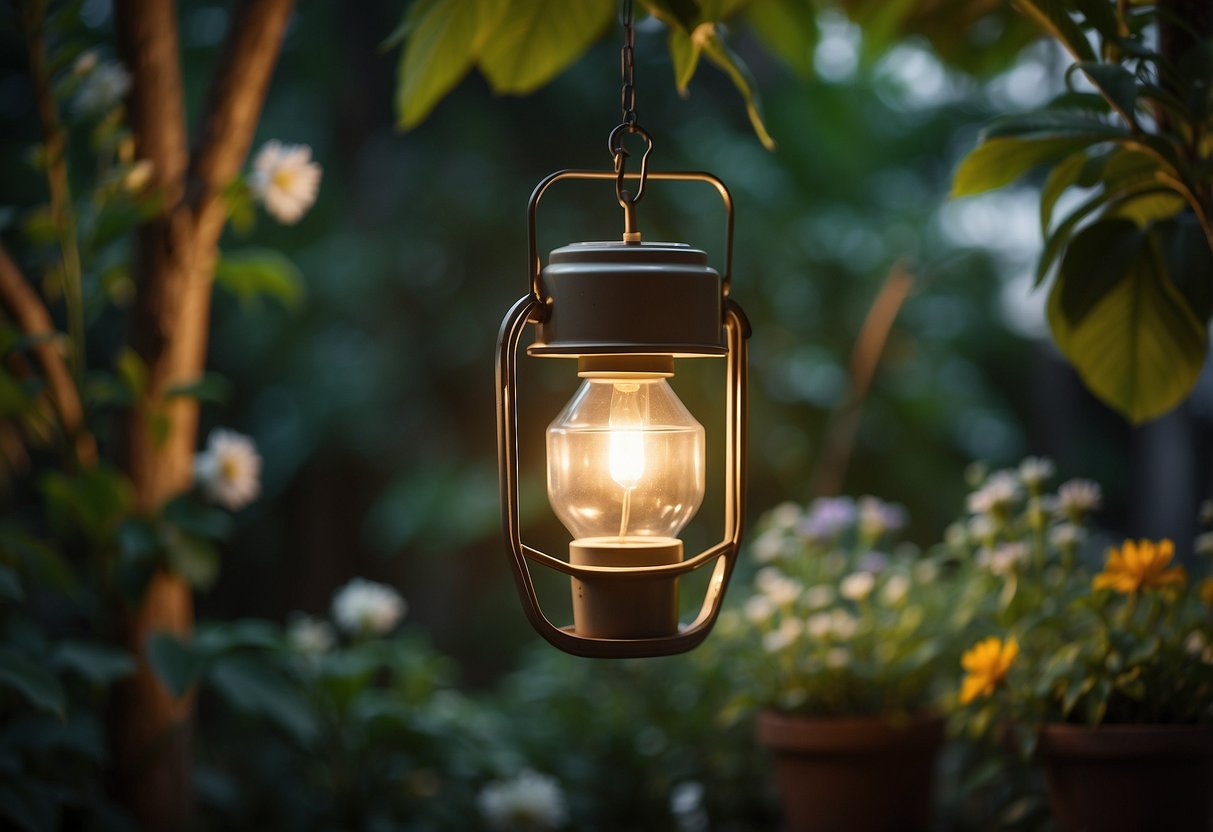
x: 532, y: 309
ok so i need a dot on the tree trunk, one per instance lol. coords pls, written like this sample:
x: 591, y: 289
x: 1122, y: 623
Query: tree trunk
x: 174, y: 263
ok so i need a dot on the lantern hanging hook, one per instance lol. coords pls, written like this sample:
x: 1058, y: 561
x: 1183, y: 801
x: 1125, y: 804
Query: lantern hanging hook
x: 629, y: 124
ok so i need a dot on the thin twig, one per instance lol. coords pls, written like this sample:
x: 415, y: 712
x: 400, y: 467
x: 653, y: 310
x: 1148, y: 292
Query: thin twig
x: 27, y: 309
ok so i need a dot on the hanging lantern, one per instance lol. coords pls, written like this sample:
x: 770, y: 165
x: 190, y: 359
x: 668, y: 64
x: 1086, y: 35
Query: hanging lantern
x: 625, y: 458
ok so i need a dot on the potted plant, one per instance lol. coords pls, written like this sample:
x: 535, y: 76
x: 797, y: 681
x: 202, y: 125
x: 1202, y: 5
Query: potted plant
x: 1104, y: 670
x: 842, y: 645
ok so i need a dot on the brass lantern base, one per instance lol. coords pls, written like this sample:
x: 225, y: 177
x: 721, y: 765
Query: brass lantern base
x: 605, y: 607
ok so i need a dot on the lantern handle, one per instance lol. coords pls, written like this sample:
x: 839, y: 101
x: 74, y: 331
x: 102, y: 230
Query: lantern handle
x: 535, y: 266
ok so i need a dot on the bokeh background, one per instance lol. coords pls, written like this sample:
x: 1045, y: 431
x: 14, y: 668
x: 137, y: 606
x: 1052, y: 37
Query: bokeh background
x: 369, y: 391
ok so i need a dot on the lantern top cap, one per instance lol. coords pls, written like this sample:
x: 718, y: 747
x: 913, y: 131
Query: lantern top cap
x: 612, y: 251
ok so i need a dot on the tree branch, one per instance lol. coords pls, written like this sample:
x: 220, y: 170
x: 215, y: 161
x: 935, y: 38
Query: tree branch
x: 26, y: 308
x: 234, y: 105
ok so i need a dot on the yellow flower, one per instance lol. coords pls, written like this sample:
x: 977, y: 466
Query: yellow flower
x: 1139, y: 566
x: 987, y: 663
x: 1206, y: 591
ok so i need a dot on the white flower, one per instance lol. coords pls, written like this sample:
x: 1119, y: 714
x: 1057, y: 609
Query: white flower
x: 362, y: 607
x: 528, y: 801
x: 895, y: 590
x: 686, y: 805
x: 768, y: 546
x: 759, y: 609
x: 877, y: 517
x: 843, y: 624
x: 837, y: 657
x: 996, y: 496
x: 926, y: 571
x: 785, y: 516
x: 857, y: 586
x: 286, y: 179
x: 1077, y: 497
x: 102, y: 87
x: 778, y: 587
x: 955, y: 536
x: 1005, y: 559
x: 818, y: 596
x: 229, y: 470
x: 788, y: 631
x: 1066, y: 536
x: 310, y: 635
x: 1034, y: 471
x: 820, y: 625
x: 981, y: 528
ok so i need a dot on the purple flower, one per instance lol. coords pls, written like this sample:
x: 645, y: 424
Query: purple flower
x: 827, y: 517
x: 877, y: 517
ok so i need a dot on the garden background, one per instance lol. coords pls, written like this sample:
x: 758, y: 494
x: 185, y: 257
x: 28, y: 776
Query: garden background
x: 355, y: 348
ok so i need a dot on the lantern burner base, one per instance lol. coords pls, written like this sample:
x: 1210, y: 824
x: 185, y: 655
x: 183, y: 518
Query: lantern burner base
x: 625, y: 607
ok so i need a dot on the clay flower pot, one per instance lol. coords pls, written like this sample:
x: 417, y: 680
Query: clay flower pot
x: 859, y: 774
x: 1129, y: 777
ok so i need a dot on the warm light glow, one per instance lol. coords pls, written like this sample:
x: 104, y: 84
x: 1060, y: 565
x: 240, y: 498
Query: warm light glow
x: 625, y: 461
x: 625, y: 446
x: 626, y: 453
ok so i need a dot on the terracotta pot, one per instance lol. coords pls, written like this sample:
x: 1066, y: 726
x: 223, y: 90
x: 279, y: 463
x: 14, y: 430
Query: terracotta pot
x: 1129, y: 777
x: 854, y: 774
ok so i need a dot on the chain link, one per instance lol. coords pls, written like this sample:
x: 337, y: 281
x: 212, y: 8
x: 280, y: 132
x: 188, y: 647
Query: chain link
x: 627, y: 66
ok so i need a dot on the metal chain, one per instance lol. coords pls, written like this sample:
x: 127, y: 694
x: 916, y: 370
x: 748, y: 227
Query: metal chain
x: 627, y: 103
x: 627, y: 66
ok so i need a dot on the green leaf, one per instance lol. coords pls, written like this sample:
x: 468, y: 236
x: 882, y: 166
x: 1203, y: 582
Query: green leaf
x: 255, y: 688
x: 100, y: 664
x: 444, y: 41
x: 215, y: 639
x: 93, y: 501
x: 202, y: 521
x: 1000, y: 161
x: 1139, y: 348
x: 1064, y: 174
x: 1098, y: 257
x: 538, y: 39
x: 684, y: 56
x: 28, y: 678
x: 1101, y: 15
x: 1189, y: 261
x: 132, y: 370
x: 718, y: 52
x: 255, y: 272
x: 1053, y: 16
x: 212, y: 387
x: 177, y: 664
x: 788, y: 28
x: 681, y: 13
x: 1115, y: 82
x: 1053, y: 124
x: 194, y: 559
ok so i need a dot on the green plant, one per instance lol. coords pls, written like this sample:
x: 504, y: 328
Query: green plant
x: 1068, y: 643
x: 1132, y: 256
x: 835, y: 626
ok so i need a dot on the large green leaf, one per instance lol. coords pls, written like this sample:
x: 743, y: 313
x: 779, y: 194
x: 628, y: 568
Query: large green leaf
x: 788, y: 28
x: 999, y: 161
x: 684, y: 56
x: 100, y: 664
x: 1115, y: 82
x: 682, y: 13
x: 1137, y: 346
x: 718, y: 52
x: 1185, y: 250
x: 177, y: 663
x: 1064, y: 174
x: 444, y: 39
x: 538, y: 39
x: 31, y: 681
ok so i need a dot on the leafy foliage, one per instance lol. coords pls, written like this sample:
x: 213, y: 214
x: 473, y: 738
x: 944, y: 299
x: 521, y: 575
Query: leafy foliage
x: 1117, y: 309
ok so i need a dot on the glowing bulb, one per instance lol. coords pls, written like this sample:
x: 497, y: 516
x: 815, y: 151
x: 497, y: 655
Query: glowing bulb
x: 625, y: 445
x: 625, y: 460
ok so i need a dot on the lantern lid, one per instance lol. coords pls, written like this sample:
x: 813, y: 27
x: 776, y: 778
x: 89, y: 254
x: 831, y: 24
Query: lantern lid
x: 616, y: 298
